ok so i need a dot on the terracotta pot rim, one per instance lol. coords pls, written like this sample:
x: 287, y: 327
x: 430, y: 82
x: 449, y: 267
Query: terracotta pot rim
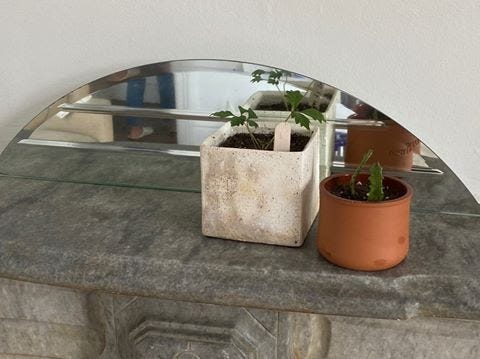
x: 366, y: 204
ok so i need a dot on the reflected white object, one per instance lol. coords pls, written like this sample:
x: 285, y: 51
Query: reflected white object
x: 77, y: 127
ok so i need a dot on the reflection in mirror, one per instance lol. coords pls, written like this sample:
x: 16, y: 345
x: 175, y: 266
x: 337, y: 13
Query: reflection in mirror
x: 143, y: 127
x: 393, y: 146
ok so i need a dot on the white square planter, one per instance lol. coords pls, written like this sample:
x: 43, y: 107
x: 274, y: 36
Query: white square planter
x: 327, y: 132
x: 259, y: 196
x: 271, y: 97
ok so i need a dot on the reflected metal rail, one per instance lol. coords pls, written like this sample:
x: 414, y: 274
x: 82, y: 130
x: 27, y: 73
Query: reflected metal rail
x: 341, y: 166
x: 162, y: 113
x: 175, y: 114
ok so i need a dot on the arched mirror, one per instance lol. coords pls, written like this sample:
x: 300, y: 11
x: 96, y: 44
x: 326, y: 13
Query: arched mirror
x: 142, y: 127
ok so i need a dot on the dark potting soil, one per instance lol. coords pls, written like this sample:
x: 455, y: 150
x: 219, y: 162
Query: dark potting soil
x: 280, y: 106
x: 361, y: 190
x: 243, y: 140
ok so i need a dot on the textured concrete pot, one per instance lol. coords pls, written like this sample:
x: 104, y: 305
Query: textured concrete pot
x: 363, y: 235
x: 259, y: 196
x: 327, y: 131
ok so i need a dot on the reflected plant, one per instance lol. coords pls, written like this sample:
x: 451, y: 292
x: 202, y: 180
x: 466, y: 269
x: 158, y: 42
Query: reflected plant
x: 291, y: 99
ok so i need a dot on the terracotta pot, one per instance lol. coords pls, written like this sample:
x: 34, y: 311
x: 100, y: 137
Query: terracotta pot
x: 392, y: 145
x: 363, y: 235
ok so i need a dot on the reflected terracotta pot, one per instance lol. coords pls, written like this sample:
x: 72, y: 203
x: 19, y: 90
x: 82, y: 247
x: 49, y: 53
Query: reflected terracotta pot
x: 392, y: 145
x: 363, y: 235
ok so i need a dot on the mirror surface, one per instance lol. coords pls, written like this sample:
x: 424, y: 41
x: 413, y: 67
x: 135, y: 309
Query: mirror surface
x: 142, y: 127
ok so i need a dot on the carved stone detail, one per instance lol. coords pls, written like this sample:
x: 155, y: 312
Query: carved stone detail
x: 154, y: 328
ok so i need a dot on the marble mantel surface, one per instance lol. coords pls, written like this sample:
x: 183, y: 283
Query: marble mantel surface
x: 149, y: 243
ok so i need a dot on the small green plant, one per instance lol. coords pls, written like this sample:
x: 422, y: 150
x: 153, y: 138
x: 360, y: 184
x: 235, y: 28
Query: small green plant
x: 291, y: 99
x: 375, y: 180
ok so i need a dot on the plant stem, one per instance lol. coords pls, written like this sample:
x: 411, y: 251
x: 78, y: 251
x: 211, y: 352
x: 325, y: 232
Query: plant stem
x: 283, y: 97
x: 269, y: 143
x: 283, y: 92
x: 355, y: 174
x: 256, y: 144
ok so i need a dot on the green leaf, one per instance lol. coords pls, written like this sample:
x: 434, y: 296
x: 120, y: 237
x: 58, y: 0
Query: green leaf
x: 242, y: 110
x: 293, y: 98
x: 238, y: 121
x: 223, y: 114
x: 258, y: 72
x: 274, y: 77
x: 314, y: 114
x: 375, y: 192
x: 257, y: 75
x: 245, y: 115
x: 252, y: 114
x: 301, y: 119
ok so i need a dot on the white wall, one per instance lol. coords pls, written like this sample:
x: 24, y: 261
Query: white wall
x: 418, y: 61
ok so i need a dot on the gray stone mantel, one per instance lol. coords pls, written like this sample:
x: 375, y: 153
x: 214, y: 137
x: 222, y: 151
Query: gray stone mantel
x: 149, y: 243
